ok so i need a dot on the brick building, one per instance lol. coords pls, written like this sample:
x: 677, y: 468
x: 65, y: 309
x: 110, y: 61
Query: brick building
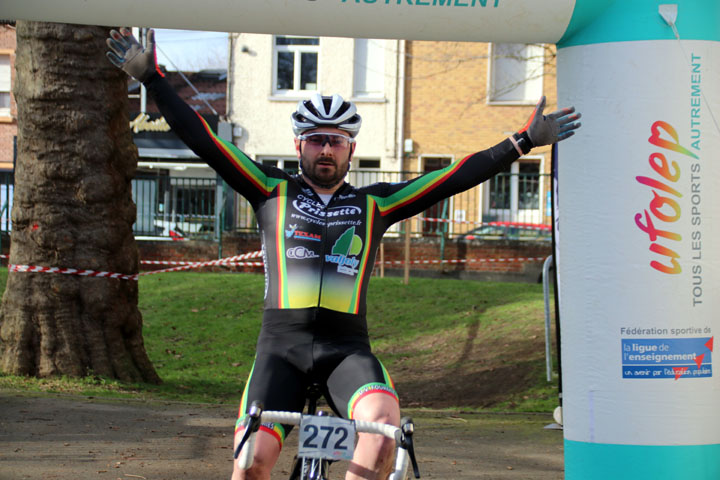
x: 462, y: 97
x: 8, y: 108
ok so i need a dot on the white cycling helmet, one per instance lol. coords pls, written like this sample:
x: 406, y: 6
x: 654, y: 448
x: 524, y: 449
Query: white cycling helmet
x: 326, y: 111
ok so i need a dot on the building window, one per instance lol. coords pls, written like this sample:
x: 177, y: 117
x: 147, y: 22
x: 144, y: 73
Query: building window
x: 368, y: 163
x: 366, y: 171
x: 296, y: 63
x: 5, y: 85
x: 528, y: 186
x: 369, y: 69
x: 290, y: 165
x: 499, y: 188
x: 516, y: 73
x: 514, y: 193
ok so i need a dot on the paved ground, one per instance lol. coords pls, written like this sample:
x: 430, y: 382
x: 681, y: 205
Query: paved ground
x: 54, y: 437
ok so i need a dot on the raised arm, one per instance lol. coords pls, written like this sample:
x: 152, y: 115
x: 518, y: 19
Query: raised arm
x: 398, y: 201
x: 252, y: 180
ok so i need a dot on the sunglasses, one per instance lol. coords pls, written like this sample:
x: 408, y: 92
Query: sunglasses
x: 335, y: 140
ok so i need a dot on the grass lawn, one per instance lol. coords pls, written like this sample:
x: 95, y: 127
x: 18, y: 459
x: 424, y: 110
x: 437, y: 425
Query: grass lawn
x: 200, y: 331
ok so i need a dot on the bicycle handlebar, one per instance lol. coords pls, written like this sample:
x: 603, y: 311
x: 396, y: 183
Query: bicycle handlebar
x: 401, y: 435
x: 362, y: 426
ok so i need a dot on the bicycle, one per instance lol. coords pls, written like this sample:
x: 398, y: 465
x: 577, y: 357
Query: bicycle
x: 325, y: 439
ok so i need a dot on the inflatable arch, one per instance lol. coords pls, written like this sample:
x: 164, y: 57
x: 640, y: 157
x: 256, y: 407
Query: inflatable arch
x: 638, y: 197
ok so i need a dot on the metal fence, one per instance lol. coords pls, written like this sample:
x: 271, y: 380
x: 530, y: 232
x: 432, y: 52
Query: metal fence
x: 175, y: 206
x: 196, y: 207
x: 7, y: 184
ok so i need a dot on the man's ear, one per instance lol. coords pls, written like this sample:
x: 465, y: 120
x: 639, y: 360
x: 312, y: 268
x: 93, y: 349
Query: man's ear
x: 297, y: 147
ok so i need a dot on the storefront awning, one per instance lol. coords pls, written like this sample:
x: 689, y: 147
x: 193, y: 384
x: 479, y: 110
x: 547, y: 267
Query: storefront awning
x: 155, y: 152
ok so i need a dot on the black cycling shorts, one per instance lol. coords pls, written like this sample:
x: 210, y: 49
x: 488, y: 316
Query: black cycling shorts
x: 289, y: 360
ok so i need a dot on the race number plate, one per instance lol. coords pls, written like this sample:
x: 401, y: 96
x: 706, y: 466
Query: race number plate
x: 331, y: 438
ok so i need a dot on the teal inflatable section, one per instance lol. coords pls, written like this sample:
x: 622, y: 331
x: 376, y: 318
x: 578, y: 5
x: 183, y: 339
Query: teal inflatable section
x: 597, y: 461
x: 604, y: 21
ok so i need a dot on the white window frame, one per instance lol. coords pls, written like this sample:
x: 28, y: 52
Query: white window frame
x: 361, y: 176
x: 357, y: 162
x: 6, y: 82
x: 514, y: 214
x: 279, y: 161
x: 524, y: 84
x: 368, y: 69
x: 297, y: 50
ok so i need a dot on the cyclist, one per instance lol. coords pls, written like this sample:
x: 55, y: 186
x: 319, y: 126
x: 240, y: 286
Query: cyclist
x: 320, y: 236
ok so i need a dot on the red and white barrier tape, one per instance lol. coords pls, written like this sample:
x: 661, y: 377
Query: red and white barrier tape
x: 466, y: 260
x: 221, y: 262
x: 233, y: 262
x: 229, y: 261
x: 529, y: 226
x: 224, y: 264
x: 69, y: 271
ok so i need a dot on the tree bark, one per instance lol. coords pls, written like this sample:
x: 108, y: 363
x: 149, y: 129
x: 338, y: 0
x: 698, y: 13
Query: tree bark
x: 72, y: 208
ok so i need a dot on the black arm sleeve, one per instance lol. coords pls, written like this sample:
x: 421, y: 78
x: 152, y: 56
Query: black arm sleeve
x: 250, y: 179
x: 398, y: 201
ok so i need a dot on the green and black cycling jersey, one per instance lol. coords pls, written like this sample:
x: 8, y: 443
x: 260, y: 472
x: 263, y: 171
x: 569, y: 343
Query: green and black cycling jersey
x: 317, y: 255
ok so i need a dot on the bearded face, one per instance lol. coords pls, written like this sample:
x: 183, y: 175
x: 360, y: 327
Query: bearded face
x: 325, y: 156
x: 324, y: 171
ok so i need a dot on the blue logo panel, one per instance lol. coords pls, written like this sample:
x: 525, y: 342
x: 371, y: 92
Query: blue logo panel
x: 667, y: 357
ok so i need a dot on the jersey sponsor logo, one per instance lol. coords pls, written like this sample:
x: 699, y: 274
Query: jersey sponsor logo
x: 293, y: 232
x: 334, y: 223
x: 310, y: 200
x: 338, y: 223
x: 316, y: 210
x: 345, y: 251
x: 300, y: 253
x: 306, y: 219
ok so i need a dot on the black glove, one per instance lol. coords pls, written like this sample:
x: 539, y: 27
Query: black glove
x: 127, y: 54
x: 547, y: 129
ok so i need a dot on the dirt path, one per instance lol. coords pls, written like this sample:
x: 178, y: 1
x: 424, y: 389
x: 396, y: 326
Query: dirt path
x: 52, y: 437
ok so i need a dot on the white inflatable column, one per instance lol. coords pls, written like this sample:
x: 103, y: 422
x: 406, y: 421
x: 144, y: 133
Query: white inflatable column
x: 639, y: 241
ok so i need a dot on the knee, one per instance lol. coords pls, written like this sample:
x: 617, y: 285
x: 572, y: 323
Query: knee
x: 267, y: 450
x: 378, y: 408
x: 388, y: 414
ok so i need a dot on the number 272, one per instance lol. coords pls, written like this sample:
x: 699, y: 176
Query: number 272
x: 327, y: 432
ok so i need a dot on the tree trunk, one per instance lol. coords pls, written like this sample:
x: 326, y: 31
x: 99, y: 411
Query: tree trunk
x: 72, y: 208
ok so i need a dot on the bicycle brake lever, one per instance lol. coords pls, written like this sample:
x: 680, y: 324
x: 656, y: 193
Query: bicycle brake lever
x: 244, y: 439
x: 408, y: 428
x: 252, y: 425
